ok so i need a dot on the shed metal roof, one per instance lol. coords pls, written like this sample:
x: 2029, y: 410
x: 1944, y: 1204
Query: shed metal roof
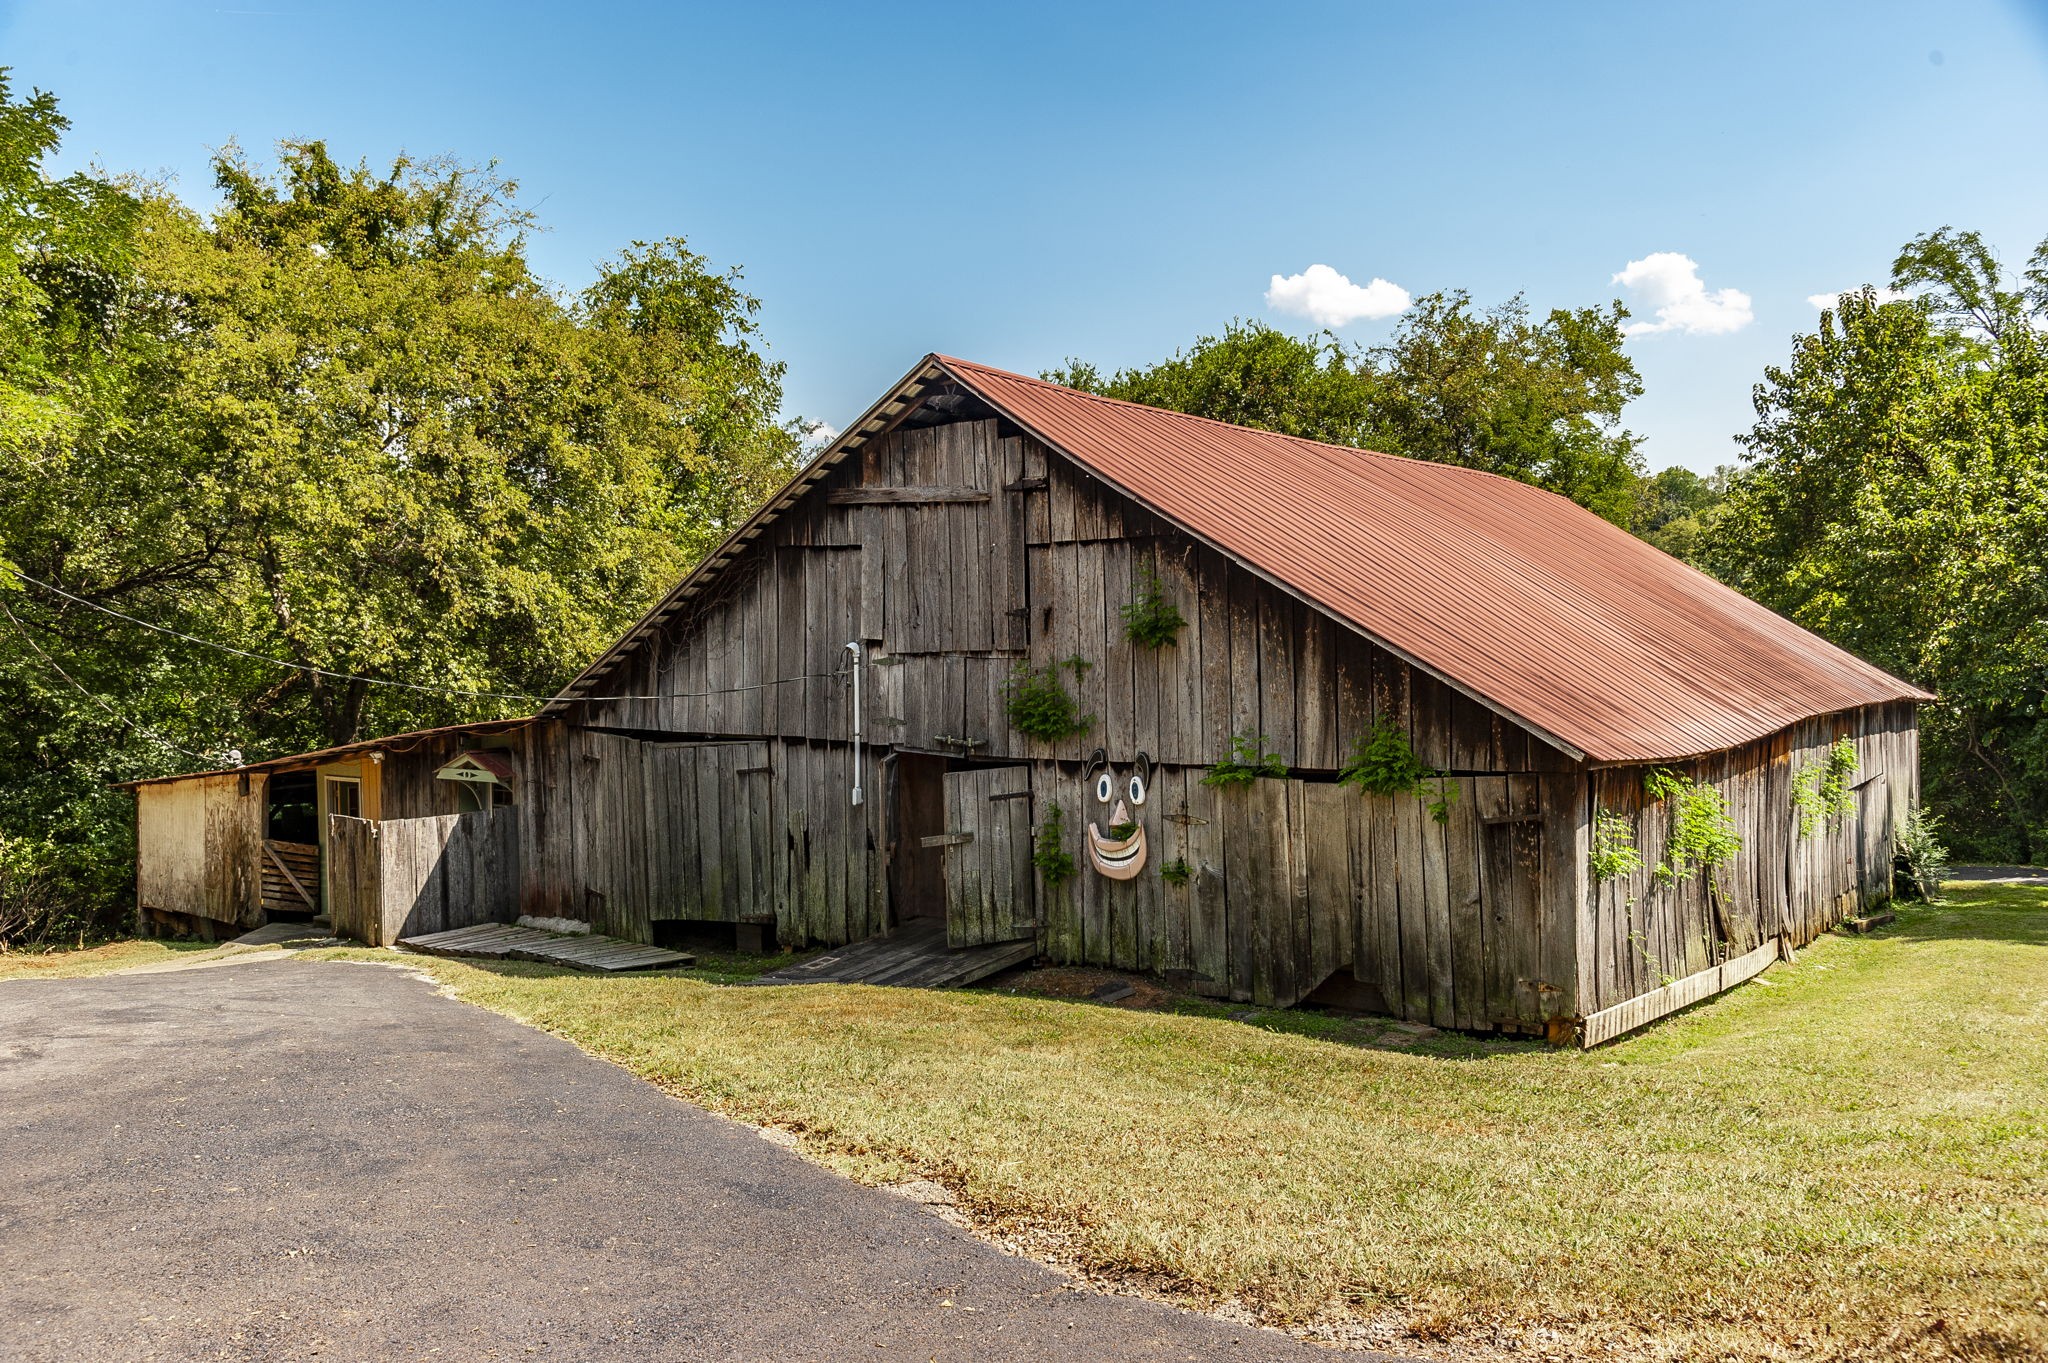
x: 1520, y: 597
x: 395, y: 743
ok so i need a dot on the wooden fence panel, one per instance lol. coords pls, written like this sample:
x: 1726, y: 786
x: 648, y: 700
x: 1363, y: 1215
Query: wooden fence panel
x: 404, y: 877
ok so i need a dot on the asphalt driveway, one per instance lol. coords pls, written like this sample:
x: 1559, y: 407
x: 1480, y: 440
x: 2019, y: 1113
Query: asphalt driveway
x: 284, y: 1160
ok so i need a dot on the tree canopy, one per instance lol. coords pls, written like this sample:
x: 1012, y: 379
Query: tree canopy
x: 1894, y: 498
x: 340, y: 422
x: 1493, y: 389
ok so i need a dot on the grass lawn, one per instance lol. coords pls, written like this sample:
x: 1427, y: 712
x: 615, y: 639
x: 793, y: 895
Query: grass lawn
x: 95, y: 960
x: 1845, y: 1159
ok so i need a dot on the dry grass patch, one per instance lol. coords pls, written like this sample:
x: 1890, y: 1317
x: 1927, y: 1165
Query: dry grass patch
x: 1847, y: 1159
x: 94, y: 960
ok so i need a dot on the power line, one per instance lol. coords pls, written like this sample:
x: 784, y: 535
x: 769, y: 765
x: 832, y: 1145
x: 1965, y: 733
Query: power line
x: 408, y: 686
x: 136, y: 724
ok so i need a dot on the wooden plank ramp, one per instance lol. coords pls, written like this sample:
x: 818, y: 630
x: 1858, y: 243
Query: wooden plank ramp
x: 915, y: 956
x: 1610, y: 1023
x: 584, y: 951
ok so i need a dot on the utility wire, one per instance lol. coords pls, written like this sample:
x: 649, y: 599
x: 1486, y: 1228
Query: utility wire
x: 138, y: 725
x: 407, y: 686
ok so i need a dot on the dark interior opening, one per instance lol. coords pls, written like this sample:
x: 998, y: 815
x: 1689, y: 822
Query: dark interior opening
x: 290, y: 814
x: 917, y: 874
x: 697, y: 934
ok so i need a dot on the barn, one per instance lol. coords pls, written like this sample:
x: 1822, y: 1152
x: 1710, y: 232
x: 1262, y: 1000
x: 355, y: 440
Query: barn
x: 1014, y: 666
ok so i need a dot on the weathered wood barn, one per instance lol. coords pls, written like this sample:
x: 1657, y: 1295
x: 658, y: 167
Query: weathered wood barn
x: 814, y: 735
x: 222, y: 851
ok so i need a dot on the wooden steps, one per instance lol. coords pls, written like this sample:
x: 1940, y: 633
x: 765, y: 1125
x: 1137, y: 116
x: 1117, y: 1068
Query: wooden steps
x: 913, y: 957
x: 584, y: 951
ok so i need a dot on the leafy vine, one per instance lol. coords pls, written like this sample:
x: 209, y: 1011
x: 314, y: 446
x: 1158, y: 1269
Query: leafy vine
x: 1703, y: 836
x: 1150, y: 619
x: 1821, y: 794
x: 1614, y: 847
x: 1040, y: 705
x: 1246, y: 762
x: 1048, y: 849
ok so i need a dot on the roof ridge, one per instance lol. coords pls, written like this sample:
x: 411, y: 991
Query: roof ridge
x: 1412, y: 460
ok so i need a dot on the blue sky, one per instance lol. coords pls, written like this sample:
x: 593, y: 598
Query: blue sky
x: 1019, y: 184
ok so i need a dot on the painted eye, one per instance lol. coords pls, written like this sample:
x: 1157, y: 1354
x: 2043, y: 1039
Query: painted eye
x: 1137, y: 790
x: 1104, y: 788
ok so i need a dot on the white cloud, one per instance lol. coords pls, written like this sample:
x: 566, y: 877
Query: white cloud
x: 1824, y: 301
x: 1329, y: 299
x: 819, y: 434
x: 1669, y: 284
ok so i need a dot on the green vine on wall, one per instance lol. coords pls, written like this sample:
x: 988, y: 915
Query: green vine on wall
x: 1702, y: 836
x: 1049, y: 852
x: 1040, y: 705
x: 1246, y: 762
x: 1614, y: 847
x: 1821, y: 794
x: 1177, y: 872
x: 1150, y: 619
x: 1383, y: 762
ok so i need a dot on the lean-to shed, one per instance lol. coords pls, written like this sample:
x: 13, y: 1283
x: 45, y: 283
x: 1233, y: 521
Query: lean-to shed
x: 812, y: 735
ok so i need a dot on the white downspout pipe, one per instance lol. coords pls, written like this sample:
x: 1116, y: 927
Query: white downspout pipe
x: 855, y: 649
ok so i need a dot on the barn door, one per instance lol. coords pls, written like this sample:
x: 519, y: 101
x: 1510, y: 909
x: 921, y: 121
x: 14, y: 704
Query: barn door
x: 988, y: 856
x: 1873, y: 841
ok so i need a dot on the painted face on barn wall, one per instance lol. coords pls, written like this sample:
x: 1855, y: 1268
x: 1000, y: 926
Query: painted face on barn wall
x: 1119, y: 793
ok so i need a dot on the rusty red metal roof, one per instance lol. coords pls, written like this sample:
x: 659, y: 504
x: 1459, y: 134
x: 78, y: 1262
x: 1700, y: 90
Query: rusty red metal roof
x: 1514, y: 594
x: 396, y: 743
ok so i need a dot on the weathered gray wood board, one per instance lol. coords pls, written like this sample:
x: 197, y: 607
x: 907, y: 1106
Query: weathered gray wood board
x: 1644, y: 1009
x: 506, y: 941
x: 987, y: 845
x: 913, y: 957
x: 396, y: 878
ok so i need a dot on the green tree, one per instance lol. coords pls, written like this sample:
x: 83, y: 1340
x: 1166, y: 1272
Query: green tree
x: 337, y: 421
x: 1894, y: 498
x: 1678, y: 507
x: 1495, y: 389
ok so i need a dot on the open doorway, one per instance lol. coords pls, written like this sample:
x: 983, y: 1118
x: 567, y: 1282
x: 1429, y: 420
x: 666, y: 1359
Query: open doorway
x: 291, y: 846
x: 917, y: 874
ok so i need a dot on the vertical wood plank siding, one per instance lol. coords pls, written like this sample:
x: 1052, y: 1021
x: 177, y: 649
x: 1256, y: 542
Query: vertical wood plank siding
x: 955, y: 555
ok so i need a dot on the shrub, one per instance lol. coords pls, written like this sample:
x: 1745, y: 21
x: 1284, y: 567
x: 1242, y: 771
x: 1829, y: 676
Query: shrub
x: 1919, y: 852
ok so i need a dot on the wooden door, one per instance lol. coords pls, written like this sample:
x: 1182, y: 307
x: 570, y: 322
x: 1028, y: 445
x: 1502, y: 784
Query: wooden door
x: 1873, y: 841
x: 988, y: 856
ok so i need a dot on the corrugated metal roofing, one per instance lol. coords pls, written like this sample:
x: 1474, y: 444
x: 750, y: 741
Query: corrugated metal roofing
x: 294, y: 761
x: 1515, y: 594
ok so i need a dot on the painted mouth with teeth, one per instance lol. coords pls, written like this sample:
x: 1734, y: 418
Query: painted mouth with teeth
x: 1114, y: 857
